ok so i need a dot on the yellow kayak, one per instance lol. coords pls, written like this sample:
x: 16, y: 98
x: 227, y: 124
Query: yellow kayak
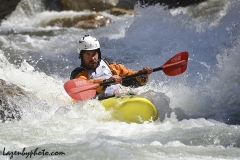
x: 131, y: 108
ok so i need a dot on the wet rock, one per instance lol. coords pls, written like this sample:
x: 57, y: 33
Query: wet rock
x: 119, y: 11
x: 96, y: 5
x: 180, y: 113
x: 53, y: 5
x: 161, y: 101
x: 10, y: 96
x: 126, y: 4
x: 7, y: 7
x: 101, y: 5
x: 171, y: 3
x: 88, y: 21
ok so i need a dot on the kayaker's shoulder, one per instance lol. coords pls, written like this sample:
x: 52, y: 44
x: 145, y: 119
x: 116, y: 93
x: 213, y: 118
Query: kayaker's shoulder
x: 76, y: 71
x: 111, y: 61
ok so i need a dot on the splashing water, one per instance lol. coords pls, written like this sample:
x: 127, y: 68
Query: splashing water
x: 205, y: 99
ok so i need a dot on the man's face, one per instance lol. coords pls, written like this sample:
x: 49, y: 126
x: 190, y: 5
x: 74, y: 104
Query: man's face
x: 90, y: 59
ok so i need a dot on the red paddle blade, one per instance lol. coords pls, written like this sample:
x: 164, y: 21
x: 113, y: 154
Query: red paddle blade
x: 176, y: 65
x: 80, y: 89
x: 84, y: 95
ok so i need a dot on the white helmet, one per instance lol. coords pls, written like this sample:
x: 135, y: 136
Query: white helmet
x: 88, y: 43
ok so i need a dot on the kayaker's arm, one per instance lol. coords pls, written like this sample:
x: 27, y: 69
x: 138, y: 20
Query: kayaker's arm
x: 121, y: 70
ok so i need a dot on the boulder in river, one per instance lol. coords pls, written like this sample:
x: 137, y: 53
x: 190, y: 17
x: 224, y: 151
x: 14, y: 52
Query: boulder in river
x: 7, y: 7
x: 11, y: 95
x: 86, y: 21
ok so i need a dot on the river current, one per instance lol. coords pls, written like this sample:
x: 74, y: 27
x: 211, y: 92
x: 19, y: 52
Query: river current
x: 205, y: 98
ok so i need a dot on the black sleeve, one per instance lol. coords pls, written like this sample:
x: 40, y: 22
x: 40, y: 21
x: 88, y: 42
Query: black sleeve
x: 75, y: 72
x: 133, y: 82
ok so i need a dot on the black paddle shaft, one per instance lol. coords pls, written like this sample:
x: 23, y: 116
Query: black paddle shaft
x: 109, y: 81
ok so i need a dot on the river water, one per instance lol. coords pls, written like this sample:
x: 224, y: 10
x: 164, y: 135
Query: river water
x: 206, y: 98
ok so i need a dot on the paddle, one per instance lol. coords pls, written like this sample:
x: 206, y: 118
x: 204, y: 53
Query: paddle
x: 81, y: 89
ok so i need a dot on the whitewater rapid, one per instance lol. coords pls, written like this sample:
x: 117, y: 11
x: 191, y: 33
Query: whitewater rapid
x: 205, y: 98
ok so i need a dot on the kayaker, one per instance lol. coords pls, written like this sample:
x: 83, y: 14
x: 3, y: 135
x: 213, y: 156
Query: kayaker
x: 96, y: 69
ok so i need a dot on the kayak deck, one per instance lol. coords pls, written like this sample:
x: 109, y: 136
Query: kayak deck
x: 131, y: 108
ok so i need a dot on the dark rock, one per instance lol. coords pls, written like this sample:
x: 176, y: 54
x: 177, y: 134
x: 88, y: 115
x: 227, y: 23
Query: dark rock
x: 126, y: 4
x: 7, y: 6
x: 171, y: 3
x: 120, y: 11
x: 53, y: 5
x: 10, y: 95
x: 88, y: 21
x: 79, y: 5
